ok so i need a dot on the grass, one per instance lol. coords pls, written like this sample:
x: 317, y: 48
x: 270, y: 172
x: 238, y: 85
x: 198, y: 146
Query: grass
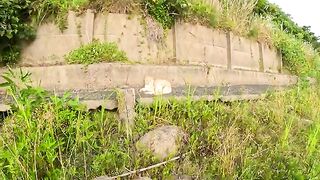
x: 54, y: 138
x: 96, y: 52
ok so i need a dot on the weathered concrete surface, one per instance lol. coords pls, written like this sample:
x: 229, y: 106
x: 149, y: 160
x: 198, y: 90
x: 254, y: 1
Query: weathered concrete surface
x: 112, y: 75
x: 126, y: 106
x: 244, y: 54
x: 145, y: 41
x: 96, y: 85
x: 271, y: 60
x: 133, y: 37
x: 196, y: 44
x: 51, y: 44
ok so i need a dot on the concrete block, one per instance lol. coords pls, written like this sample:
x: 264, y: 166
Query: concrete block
x: 100, y: 25
x: 216, y: 56
x: 244, y: 54
x: 271, y: 59
x: 89, y: 25
x: 49, y: 50
x: 75, y: 25
x: 131, y: 37
x: 197, y: 44
x: 239, y: 77
x: 126, y: 106
x: 51, y: 44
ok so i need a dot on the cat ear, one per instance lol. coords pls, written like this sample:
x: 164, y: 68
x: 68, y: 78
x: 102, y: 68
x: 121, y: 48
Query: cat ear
x: 148, y: 80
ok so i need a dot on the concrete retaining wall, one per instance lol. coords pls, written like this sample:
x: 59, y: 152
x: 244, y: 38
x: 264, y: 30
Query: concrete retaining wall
x: 112, y: 75
x: 184, y: 44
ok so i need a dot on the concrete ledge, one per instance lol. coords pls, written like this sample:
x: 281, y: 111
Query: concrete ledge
x: 95, y: 84
x: 113, y: 75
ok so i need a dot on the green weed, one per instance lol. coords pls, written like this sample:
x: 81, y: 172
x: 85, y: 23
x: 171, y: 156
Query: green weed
x: 96, y: 52
x: 200, y: 12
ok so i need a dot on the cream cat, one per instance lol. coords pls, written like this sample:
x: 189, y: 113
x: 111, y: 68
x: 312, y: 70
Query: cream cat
x: 156, y: 86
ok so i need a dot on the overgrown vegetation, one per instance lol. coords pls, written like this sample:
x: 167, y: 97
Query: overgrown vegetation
x: 14, y: 27
x: 96, y: 52
x: 54, y: 138
x: 284, y: 21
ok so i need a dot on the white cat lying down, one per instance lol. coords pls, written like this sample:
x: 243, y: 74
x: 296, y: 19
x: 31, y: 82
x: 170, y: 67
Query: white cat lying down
x: 156, y: 86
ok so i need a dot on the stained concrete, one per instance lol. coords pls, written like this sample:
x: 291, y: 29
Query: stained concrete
x: 271, y: 59
x: 144, y: 41
x: 96, y: 85
x: 196, y: 44
x: 244, y: 53
x: 113, y: 75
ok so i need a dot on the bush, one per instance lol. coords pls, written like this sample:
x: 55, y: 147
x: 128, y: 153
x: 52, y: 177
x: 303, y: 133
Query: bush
x: 284, y: 21
x: 96, y: 52
x: 14, y: 27
x: 166, y: 11
x: 200, y: 12
x: 295, y: 54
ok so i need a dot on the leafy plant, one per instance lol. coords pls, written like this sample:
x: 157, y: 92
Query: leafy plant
x: 96, y: 52
x: 203, y: 13
x: 14, y: 27
x: 285, y: 22
x: 295, y: 54
x: 166, y: 11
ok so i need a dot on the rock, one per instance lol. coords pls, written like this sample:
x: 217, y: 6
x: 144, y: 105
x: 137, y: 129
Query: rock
x: 162, y: 142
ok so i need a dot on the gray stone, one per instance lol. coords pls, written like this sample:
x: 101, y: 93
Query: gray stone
x: 163, y: 142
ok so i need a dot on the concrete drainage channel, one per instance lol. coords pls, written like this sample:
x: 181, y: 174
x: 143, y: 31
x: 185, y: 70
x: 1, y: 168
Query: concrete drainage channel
x: 99, y: 84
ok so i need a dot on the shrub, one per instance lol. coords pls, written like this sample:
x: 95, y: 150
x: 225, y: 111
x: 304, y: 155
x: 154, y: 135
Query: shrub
x: 298, y: 58
x: 166, y: 11
x: 284, y: 21
x: 14, y: 27
x: 96, y: 52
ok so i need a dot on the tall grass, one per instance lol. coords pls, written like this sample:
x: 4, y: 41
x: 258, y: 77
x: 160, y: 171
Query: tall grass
x: 237, y: 15
x: 277, y: 137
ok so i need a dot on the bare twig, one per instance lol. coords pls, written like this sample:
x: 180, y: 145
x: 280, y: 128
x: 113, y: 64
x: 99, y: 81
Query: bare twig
x: 139, y: 170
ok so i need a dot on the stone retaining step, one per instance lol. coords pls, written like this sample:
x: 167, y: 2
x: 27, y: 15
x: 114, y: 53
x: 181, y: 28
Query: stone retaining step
x: 97, y: 85
x: 114, y: 75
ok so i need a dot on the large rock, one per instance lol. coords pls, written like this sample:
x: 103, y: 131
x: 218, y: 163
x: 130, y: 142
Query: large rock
x: 162, y: 142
